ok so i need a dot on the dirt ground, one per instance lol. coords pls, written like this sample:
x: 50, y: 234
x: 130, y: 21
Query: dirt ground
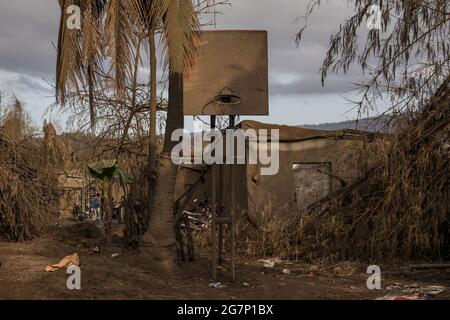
x: 132, y: 275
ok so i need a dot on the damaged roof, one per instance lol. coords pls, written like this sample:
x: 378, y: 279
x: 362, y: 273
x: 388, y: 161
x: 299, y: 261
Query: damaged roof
x: 288, y: 133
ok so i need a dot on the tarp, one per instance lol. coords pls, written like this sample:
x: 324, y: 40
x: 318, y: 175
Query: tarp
x: 72, y: 260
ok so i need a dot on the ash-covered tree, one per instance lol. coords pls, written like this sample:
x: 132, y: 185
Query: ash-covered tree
x: 399, y: 206
x: 105, y: 56
x: 404, y: 62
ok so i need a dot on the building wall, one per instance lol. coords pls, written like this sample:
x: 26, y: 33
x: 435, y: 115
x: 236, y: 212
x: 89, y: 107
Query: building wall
x: 275, y: 195
x: 258, y: 196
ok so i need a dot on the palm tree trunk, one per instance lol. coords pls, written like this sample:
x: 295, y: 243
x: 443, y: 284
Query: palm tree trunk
x: 152, y: 170
x: 153, y: 102
x: 161, y: 228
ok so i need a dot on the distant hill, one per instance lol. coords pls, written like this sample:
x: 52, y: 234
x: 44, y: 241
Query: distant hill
x: 368, y: 124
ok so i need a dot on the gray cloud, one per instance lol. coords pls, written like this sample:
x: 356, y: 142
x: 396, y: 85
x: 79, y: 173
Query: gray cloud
x: 309, y: 86
x: 27, y: 30
x: 283, y: 19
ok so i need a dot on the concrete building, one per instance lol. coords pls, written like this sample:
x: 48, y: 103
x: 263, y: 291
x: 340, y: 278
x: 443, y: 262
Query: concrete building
x: 312, y: 165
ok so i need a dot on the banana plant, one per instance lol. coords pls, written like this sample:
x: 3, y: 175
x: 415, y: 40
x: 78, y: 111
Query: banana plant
x: 107, y: 171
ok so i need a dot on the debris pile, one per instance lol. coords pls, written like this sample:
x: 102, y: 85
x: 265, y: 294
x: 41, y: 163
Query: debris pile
x: 412, y: 292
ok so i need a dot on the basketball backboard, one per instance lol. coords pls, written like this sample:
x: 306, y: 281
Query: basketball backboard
x: 230, y: 76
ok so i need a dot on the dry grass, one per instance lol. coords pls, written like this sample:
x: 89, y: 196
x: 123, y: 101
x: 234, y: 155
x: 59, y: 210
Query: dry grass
x: 28, y: 182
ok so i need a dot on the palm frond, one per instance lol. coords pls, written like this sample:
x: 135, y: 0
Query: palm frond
x: 121, y: 20
x: 181, y: 31
x: 91, y: 50
x: 68, y: 68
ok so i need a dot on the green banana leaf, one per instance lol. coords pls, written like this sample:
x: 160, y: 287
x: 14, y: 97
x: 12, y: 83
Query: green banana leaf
x: 106, y: 170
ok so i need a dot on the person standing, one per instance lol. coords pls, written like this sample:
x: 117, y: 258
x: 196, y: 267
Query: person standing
x: 96, y: 205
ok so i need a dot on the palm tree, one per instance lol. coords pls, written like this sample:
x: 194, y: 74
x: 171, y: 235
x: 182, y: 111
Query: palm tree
x: 181, y: 30
x: 81, y: 53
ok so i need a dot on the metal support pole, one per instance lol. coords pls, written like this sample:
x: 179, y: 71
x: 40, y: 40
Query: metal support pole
x: 213, y: 212
x: 232, y: 211
x: 223, y: 213
x: 220, y: 244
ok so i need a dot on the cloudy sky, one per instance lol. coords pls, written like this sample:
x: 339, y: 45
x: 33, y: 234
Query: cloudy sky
x: 28, y: 30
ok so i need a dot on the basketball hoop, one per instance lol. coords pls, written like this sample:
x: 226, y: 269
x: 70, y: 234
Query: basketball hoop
x: 227, y: 98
